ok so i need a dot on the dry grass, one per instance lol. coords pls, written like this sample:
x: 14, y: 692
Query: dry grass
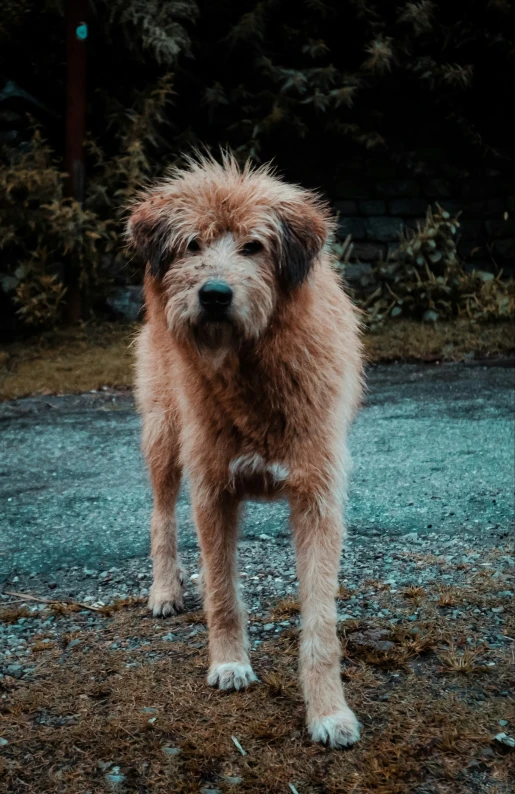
x: 413, y: 591
x: 285, y: 609
x: 148, y: 711
x: 77, y: 360
x: 465, y: 662
x: 407, y: 340
x: 13, y: 614
x: 68, y: 361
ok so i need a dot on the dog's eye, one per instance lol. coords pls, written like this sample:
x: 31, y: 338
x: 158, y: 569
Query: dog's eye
x: 193, y: 245
x: 253, y: 247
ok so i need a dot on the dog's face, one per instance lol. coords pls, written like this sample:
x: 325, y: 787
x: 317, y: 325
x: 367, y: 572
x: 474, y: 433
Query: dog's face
x: 226, y: 245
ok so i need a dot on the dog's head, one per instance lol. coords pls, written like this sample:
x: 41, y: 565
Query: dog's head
x: 226, y: 244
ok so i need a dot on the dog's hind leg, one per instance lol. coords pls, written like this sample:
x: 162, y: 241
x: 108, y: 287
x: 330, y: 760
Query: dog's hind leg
x: 217, y: 525
x: 318, y: 529
x: 161, y: 449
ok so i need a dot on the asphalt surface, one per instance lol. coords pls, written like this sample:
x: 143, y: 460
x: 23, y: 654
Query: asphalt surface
x: 433, y: 452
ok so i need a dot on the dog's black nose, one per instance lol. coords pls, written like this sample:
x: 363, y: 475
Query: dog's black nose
x: 215, y: 296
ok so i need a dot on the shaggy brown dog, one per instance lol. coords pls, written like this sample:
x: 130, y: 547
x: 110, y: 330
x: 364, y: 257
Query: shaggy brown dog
x: 248, y: 374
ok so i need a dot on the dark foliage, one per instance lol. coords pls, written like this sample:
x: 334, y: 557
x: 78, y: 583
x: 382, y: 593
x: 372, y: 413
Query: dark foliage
x: 315, y: 85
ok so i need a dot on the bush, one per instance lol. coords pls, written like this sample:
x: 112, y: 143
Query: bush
x: 423, y: 279
x: 42, y: 233
x: 315, y: 85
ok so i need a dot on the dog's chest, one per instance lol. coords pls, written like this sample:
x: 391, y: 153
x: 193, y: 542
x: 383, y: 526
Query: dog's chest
x: 254, y: 413
x: 252, y: 468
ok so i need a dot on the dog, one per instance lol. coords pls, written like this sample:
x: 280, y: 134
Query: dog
x: 248, y: 373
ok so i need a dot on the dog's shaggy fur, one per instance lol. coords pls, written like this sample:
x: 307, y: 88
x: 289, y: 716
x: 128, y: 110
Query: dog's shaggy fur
x: 253, y: 402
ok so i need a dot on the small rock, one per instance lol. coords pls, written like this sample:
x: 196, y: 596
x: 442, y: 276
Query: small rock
x: 264, y: 536
x: 497, y: 610
x: 233, y: 780
x: 115, y: 779
x: 171, y: 750
x: 507, y: 741
x: 3, y: 742
x: 503, y: 723
x: 268, y: 627
x: 371, y: 638
x: 168, y: 637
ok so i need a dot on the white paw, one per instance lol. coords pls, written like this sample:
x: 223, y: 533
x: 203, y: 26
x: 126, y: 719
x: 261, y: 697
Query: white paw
x: 340, y: 729
x: 166, y: 600
x: 231, y: 675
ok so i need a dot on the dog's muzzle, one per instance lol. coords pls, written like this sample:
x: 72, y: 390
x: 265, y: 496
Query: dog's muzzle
x: 215, y: 297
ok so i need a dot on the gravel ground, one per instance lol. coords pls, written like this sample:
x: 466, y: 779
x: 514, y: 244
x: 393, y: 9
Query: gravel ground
x: 429, y: 556
x: 440, y: 503
x: 433, y: 451
x: 371, y: 575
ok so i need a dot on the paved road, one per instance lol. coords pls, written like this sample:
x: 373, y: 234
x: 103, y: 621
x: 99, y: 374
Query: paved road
x: 433, y: 452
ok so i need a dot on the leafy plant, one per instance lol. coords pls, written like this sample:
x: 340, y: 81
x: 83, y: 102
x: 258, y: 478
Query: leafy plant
x: 42, y: 232
x: 315, y: 85
x: 424, y: 279
x: 40, y: 299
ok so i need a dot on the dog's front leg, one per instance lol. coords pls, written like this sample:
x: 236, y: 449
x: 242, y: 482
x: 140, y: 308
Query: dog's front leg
x: 318, y: 529
x: 217, y: 525
x: 161, y: 452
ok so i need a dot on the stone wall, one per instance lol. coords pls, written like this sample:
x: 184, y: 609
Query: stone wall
x: 374, y: 211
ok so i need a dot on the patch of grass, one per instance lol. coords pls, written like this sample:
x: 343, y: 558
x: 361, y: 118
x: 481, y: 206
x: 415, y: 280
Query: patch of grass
x: 407, y: 340
x: 413, y: 591
x: 62, y: 609
x: 68, y: 361
x: 417, y: 734
x: 465, y: 662
x: 427, y: 696
x: 13, y: 614
x: 280, y: 686
x: 76, y: 360
x: 285, y: 609
x: 193, y: 617
x: 122, y: 603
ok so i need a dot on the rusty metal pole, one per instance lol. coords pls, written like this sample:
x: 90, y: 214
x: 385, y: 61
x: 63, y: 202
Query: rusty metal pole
x: 76, y: 16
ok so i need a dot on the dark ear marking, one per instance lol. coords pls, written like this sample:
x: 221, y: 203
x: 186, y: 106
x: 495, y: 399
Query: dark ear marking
x: 151, y: 242
x: 299, y: 247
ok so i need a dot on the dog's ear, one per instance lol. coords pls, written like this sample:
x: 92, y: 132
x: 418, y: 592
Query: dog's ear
x: 304, y: 231
x: 149, y: 232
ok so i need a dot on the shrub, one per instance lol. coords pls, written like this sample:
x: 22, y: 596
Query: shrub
x: 423, y: 279
x: 42, y: 233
